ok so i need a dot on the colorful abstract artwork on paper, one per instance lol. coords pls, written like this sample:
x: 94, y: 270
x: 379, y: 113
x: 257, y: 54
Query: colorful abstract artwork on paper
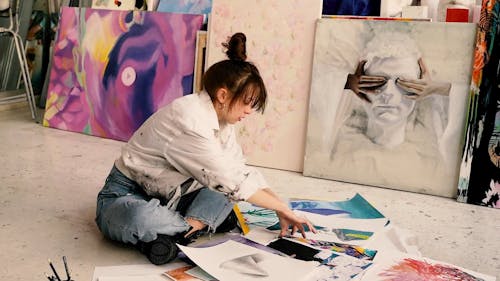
x: 410, y: 269
x: 196, y: 7
x: 343, y: 248
x: 280, y: 37
x: 400, y: 267
x: 343, y: 268
x: 180, y: 274
x: 480, y: 168
x: 388, y: 102
x: 355, y: 208
x: 346, y: 235
x: 113, y: 69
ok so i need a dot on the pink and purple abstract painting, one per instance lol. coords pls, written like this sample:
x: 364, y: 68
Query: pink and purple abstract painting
x: 113, y: 69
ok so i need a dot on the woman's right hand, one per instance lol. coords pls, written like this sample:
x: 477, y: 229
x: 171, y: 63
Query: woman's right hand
x: 288, y: 218
x: 266, y: 198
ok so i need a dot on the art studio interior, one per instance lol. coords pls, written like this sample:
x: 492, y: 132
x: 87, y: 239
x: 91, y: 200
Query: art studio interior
x: 249, y: 140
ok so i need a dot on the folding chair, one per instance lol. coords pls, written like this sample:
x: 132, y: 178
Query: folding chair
x: 10, y: 9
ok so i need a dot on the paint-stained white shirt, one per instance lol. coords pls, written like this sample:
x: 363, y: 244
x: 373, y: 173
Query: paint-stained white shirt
x: 184, y: 140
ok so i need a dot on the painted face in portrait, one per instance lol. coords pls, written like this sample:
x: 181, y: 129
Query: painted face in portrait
x: 393, y: 55
x: 390, y: 105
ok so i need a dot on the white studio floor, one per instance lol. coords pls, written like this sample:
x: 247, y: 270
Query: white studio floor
x: 50, y: 178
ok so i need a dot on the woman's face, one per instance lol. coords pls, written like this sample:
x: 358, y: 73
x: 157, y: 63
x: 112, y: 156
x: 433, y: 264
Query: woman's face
x: 240, y: 109
x: 389, y: 105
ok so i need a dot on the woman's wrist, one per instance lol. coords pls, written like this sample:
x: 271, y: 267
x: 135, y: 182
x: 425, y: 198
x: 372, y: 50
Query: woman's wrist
x: 282, y: 208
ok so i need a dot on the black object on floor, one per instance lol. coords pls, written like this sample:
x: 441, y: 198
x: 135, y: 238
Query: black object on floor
x: 295, y: 250
x: 159, y: 251
x: 230, y: 223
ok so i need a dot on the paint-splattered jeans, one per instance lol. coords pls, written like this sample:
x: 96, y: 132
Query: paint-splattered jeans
x: 127, y: 214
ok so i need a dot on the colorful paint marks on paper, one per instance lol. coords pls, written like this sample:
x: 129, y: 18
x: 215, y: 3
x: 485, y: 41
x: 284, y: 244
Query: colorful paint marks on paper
x: 350, y: 250
x: 414, y: 270
x: 395, y: 138
x: 357, y: 208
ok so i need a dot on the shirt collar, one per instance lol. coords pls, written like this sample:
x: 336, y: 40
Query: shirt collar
x: 212, y: 120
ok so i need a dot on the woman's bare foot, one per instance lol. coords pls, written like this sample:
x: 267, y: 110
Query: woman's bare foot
x: 196, y: 225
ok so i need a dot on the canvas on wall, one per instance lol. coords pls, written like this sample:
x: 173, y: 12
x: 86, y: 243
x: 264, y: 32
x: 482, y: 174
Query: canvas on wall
x: 114, y: 4
x: 387, y: 104
x: 280, y: 37
x: 199, y: 63
x: 198, y: 7
x: 351, y: 7
x: 41, y: 33
x: 480, y: 168
x: 113, y: 69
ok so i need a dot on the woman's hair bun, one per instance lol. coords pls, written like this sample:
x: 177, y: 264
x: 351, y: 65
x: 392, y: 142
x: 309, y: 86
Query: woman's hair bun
x: 236, y: 47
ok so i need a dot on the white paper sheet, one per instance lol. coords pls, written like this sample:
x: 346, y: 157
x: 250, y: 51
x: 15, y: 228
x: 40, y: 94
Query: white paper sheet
x: 134, y: 278
x: 235, y: 261
x: 133, y: 271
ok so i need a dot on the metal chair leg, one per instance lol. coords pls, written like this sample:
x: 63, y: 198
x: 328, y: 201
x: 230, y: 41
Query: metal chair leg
x: 25, y: 73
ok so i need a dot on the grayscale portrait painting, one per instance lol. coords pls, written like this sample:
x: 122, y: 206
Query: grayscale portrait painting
x: 388, y: 103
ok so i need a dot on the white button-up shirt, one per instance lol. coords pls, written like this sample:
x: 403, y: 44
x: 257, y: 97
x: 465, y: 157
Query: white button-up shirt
x: 184, y: 140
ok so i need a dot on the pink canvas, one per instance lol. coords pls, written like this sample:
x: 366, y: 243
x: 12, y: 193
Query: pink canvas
x: 113, y: 69
x: 280, y: 37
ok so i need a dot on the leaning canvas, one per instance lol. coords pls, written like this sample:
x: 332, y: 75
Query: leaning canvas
x: 113, y: 4
x: 280, y: 36
x: 387, y: 103
x: 196, y: 7
x: 354, y: 8
x: 113, y: 69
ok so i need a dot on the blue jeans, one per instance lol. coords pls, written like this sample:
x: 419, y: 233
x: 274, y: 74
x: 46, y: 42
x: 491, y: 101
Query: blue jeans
x: 127, y: 214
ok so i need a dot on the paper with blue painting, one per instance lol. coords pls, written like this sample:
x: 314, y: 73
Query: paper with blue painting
x: 354, y: 220
x: 339, y: 268
x: 196, y: 7
x: 342, y: 248
x: 356, y: 208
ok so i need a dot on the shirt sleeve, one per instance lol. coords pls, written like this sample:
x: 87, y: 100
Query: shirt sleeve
x: 201, y: 154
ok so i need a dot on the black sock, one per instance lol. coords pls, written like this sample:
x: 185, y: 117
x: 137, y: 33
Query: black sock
x: 228, y: 224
